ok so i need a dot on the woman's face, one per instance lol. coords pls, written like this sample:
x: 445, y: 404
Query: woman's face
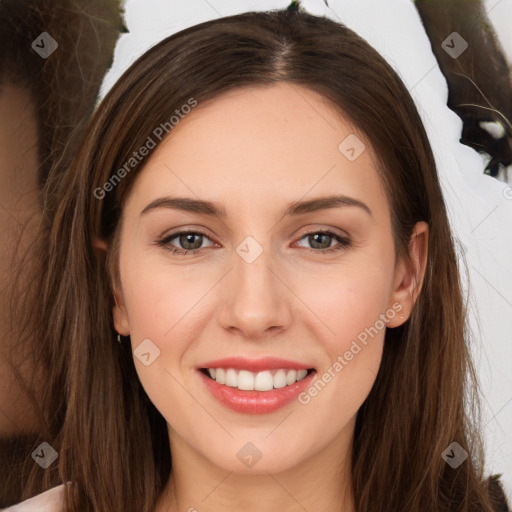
x: 264, y: 283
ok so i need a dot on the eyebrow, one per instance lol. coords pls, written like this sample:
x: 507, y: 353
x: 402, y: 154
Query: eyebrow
x: 213, y: 209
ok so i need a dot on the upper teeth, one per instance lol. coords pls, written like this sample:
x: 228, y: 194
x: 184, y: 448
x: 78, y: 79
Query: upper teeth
x: 259, y: 381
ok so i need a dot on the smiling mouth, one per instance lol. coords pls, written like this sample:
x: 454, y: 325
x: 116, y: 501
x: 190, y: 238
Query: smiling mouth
x: 265, y: 380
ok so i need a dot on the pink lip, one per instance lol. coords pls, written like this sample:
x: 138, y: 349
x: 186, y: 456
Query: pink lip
x: 255, y: 365
x: 255, y: 402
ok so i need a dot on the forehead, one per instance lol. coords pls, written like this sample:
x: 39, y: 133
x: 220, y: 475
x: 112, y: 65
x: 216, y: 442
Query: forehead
x: 255, y: 144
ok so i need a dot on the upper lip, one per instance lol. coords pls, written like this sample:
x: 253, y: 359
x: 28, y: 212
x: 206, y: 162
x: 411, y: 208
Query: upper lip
x: 255, y: 365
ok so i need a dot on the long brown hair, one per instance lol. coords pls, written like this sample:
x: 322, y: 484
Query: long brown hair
x: 111, y: 440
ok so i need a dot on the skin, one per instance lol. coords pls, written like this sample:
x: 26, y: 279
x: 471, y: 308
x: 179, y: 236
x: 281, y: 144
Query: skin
x: 254, y: 151
x: 19, y: 217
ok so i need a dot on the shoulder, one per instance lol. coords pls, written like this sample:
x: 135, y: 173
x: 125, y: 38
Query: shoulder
x: 51, y: 500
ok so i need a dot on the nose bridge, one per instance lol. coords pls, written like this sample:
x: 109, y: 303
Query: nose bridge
x: 254, y: 281
x: 255, y: 299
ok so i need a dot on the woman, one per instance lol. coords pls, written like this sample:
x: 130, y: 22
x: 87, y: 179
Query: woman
x: 255, y: 213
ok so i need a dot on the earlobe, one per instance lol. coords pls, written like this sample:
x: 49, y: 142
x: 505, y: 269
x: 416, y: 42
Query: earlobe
x: 119, y: 313
x: 99, y: 244
x: 100, y: 248
x: 410, y: 275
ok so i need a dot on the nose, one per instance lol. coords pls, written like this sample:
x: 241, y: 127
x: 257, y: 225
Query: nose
x: 255, y: 298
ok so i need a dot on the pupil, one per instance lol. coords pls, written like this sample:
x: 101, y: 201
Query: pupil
x: 317, y: 235
x: 184, y: 240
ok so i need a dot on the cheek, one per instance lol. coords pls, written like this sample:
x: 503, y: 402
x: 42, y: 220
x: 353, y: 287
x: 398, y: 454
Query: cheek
x: 162, y: 305
x: 348, y: 297
x: 160, y: 298
x: 351, y: 300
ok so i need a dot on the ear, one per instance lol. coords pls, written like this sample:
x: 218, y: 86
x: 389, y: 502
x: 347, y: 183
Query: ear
x: 409, y: 276
x: 100, y: 247
x: 119, y: 312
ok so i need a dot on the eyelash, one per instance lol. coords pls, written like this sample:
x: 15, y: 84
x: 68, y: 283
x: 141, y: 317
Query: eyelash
x: 344, y: 243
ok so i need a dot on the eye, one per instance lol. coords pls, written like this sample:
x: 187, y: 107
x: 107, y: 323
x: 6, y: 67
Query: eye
x: 190, y: 241
x: 321, y: 241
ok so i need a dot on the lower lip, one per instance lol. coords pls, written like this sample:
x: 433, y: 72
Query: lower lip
x: 255, y: 402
